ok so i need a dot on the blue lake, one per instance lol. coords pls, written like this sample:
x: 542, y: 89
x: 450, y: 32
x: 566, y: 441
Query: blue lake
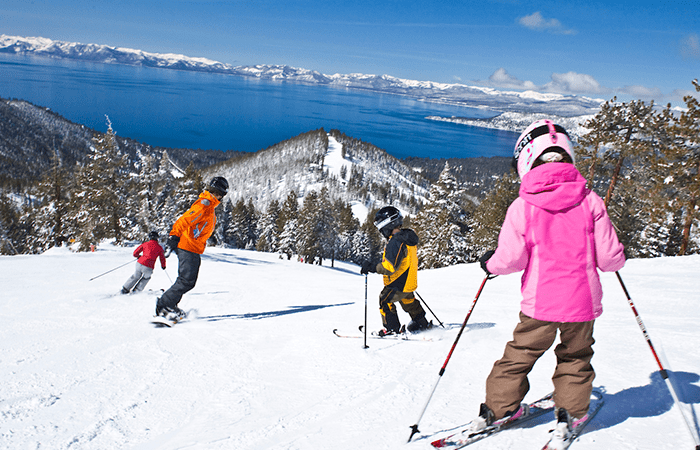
x: 210, y: 111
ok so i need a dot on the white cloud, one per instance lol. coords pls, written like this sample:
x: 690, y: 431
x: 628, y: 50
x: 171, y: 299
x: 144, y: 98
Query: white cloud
x: 562, y: 83
x: 574, y: 83
x: 642, y: 92
x: 690, y: 46
x: 502, y: 79
x: 678, y: 95
x: 536, y: 21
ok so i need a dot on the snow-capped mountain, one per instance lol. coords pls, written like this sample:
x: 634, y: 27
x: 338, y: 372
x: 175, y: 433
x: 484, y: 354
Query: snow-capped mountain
x: 455, y: 94
x: 516, y: 122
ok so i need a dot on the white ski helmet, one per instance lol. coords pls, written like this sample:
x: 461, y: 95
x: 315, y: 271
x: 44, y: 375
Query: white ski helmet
x: 540, y: 137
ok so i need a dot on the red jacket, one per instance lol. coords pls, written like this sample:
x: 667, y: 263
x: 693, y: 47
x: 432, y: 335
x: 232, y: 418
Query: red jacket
x: 151, y: 251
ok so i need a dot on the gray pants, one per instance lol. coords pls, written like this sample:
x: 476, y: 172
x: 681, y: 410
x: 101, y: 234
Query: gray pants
x: 140, y: 278
x: 187, y: 273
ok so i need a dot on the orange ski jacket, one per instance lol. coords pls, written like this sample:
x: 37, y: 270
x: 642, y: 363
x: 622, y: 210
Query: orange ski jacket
x: 197, y: 224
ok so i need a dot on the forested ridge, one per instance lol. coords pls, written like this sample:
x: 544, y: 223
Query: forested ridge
x: 64, y: 184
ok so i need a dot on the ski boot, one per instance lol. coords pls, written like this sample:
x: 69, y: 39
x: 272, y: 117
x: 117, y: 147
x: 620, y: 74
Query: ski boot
x: 174, y: 314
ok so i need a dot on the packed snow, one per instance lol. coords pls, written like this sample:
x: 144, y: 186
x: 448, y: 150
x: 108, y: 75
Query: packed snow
x: 258, y: 367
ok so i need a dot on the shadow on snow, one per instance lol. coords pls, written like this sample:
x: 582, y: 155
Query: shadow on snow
x: 232, y: 258
x: 651, y: 400
x: 269, y: 314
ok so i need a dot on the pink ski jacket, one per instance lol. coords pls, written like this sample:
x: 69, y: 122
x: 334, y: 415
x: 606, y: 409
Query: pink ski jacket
x: 559, y: 233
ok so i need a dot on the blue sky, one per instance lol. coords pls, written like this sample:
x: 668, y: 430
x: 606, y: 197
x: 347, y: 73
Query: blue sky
x: 632, y: 50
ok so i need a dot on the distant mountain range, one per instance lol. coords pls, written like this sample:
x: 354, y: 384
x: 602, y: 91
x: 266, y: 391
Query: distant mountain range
x: 528, y: 102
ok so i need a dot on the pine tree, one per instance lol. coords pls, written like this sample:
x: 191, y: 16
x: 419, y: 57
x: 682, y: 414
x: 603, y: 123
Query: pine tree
x: 347, y: 228
x: 309, y: 246
x: 361, y: 247
x: 618, y: 157
x: 326, y: 226
x: 251, y: 225
x: 489, y: 215
x: 100, y: 203
x: 683, y: 159
x: 147, y: 196
x: 289, y: 238
x: 442, y: 225
x: 370, y: 240
x: 238, y: 233
x: 51, y: 216
x: 618, y: 132
x: 191, y: 185
x: 12, y: 228
x: 289, y: 210
x: 167, y: 205
x: 268, y: 234
x: 288, y: 224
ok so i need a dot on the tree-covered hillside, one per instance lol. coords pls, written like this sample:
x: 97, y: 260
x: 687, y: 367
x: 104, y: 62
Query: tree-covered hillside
x: 309, y: 196
x: 32, y: 136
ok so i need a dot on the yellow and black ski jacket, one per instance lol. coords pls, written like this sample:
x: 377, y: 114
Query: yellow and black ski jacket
x: 400, y: 261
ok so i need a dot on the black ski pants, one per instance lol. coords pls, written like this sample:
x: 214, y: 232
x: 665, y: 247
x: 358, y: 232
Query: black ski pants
x: 387, y: 299
x: 187, y: 273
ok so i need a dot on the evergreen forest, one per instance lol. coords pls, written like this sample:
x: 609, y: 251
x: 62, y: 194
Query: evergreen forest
x: 643, y: 160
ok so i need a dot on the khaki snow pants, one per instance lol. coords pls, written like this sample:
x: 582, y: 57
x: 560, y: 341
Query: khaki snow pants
x: 507, y: 384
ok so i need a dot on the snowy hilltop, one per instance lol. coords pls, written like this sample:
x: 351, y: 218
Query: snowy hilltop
x: 447, y: 93
x: 516, y: 122
x: 350, y: 169
x: 258, y: 367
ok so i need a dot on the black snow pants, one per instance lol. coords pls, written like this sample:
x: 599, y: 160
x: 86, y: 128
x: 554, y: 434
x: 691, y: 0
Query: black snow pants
x: 187, y: 273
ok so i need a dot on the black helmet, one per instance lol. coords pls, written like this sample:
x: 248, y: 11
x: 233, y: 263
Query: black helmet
x: 387, y: 219
x: 153, y: 236
x: 218, y: 184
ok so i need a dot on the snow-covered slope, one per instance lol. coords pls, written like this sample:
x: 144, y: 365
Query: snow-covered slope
x: 314, y: 160
x: 457, y: 94
x: 82, y: 368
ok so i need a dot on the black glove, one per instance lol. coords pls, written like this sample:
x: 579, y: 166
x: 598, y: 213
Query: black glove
x: 171, y: 245
x: 486, y: 256
x: 368, y: 267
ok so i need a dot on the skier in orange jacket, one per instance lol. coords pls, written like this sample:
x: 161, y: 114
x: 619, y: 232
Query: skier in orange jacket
x: 187, y: 239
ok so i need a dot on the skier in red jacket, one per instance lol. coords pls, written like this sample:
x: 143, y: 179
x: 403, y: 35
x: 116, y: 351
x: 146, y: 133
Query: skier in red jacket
x: 147, y: 253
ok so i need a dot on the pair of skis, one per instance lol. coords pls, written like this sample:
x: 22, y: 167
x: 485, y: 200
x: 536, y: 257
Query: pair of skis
x: 405, y: 336
x: 537, y: 408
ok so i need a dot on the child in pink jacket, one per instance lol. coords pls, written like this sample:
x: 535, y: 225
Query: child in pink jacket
x: 558, y: 233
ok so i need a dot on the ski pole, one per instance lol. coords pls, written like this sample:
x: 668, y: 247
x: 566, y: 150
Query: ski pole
x: 663, y: 372
x: 98, y: 276
x: 168, y: 275
x: 431, y: 311
x: 366, y: 346
x: 414, y: 428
